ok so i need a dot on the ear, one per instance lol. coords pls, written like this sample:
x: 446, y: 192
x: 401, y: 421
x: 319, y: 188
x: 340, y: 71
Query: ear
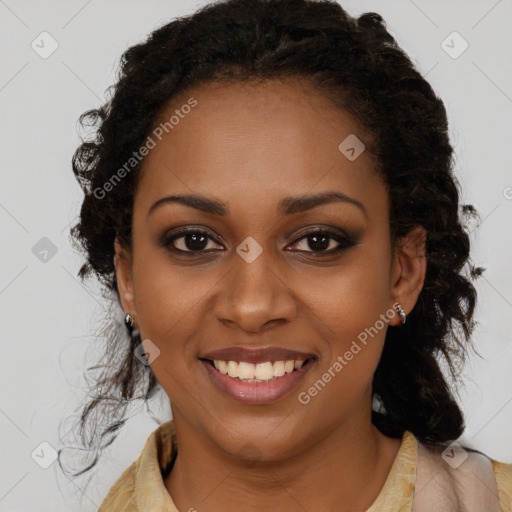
x: 123, y: 266
x: 408, y: 271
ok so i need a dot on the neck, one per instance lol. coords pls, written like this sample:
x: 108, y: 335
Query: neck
x: 346, y: 467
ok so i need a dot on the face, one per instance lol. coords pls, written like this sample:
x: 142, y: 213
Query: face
x: 266, y: 274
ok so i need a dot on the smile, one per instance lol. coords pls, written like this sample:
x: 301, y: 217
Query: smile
x: 257, y: 383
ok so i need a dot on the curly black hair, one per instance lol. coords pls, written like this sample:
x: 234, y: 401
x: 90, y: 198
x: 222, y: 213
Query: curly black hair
x: 358, y: 65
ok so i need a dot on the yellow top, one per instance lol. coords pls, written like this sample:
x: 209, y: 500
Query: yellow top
x: 422, y: 478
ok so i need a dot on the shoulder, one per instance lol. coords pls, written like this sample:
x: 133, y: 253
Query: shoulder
x: 503, y: 473
x: 456, y: 476
x: 121, y: 496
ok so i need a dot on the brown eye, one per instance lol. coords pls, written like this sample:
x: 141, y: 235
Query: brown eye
x: 323, y: 242
x: 189, y: 240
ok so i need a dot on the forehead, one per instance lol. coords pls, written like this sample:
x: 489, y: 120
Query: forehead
x: 254, y: 142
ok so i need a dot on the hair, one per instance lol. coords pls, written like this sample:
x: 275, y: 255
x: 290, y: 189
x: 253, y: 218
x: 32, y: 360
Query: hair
x: 358, y: 65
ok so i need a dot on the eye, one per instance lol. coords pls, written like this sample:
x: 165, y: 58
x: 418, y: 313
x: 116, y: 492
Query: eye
x: 322, y: 242
x: 188, y: 240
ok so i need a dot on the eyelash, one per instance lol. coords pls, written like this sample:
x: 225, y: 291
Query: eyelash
x: 345, y: 243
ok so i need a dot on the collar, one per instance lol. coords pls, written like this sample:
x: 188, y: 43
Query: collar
x: 398, y: 490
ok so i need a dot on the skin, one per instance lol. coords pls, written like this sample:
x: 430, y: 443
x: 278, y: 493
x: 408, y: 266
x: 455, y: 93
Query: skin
x: 250, y: 145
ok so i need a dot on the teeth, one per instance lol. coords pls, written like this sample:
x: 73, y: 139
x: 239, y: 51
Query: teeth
x: 223, y: 367
x: 278, y: 368
x: 263, y: 371
x: 232, y: 369
x: 259, y: 372
x: 245, y: 370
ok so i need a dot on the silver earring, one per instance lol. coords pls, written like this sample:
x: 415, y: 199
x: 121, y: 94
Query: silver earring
x: 401, y: 312
x: 128, y: 320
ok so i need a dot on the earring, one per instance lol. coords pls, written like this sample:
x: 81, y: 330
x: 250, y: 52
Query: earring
x: 128, y: 320
x: 401, y: 312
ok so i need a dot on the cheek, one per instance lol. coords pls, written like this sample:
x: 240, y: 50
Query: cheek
x: 168, y: 307
x: 353, y: 319
x: 171, y: 304
x: 350, y: 298
x: 351, y: 309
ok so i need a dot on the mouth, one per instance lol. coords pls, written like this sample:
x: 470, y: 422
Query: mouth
x: 257, y: 382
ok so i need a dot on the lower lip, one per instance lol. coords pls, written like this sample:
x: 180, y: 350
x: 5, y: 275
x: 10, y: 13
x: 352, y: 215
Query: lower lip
x: 257, y: 392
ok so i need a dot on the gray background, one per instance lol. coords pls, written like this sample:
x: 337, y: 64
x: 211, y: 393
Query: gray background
x: 47, y: 315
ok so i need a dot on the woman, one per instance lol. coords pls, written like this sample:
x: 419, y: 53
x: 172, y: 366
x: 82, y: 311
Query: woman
x: 269, y: 195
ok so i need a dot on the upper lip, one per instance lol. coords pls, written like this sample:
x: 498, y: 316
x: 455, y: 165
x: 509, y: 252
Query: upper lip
x: 255, y: 355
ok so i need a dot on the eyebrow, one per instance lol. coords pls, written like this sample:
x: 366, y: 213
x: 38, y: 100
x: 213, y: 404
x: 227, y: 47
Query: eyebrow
x: 287, y: 205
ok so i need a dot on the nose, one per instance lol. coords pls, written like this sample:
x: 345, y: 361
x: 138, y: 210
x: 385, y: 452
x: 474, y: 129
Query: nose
x: 254, y: 296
